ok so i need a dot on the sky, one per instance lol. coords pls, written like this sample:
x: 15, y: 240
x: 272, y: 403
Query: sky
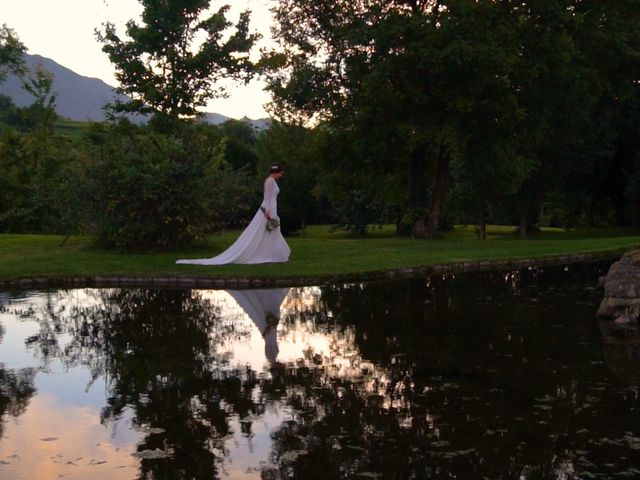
x: 64, y: 31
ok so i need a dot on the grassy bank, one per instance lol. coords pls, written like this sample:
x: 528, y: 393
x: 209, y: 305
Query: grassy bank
x: 71, y: 128
x: 318, y: 253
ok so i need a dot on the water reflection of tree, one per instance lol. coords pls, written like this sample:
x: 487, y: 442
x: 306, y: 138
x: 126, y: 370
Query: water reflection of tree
x: 464, y: 385
x: 460, y: 376
x: 157, y: 349
x: 16, y: 389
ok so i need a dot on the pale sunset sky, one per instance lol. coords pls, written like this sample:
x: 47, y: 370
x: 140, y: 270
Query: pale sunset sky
x: 63, y: 30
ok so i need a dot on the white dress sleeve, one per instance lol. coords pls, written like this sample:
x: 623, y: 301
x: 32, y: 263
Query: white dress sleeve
x: 270, y: 202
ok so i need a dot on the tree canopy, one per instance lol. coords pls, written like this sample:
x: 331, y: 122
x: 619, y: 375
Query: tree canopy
x: 12, y: 52
x: 171, y: 62
x: 495, y: 99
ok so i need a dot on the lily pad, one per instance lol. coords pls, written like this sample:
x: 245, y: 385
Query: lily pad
x: 150, y: 454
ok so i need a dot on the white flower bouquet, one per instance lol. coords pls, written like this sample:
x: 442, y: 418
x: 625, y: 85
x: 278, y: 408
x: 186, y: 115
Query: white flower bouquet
x: 272, y: 223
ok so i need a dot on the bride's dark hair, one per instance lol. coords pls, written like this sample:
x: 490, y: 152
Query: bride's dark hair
x: 276, y: 168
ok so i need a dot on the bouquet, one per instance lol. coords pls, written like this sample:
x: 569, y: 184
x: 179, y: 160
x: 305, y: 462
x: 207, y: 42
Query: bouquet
x: 272, y: 223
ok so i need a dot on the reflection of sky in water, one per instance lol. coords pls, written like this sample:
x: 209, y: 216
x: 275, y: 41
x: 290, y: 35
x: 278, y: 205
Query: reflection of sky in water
x: 52, y: 439
x: 12, y: 351
x: 60, y: 433
x: 466, y: 377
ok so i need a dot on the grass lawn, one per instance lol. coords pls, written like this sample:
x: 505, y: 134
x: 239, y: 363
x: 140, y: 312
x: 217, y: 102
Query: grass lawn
x: 318, y: 253
x: 71, y: 128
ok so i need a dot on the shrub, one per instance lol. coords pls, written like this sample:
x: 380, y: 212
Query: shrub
x: 151, y: 191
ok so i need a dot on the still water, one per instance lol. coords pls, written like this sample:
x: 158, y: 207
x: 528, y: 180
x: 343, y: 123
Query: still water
x: 503, y: 375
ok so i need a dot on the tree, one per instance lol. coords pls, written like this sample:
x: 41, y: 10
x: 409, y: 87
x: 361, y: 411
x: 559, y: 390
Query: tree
x: 525, y: 143
x: 357, y: 67
x: 170, y: 64
x: 500, y: 99
x: 293, y: 147
x: 7, y: 111
x: 239, y: 144
x: 42, y: 113
x: 405, y: 78
x: 11, y: 53
x: 610, y: 41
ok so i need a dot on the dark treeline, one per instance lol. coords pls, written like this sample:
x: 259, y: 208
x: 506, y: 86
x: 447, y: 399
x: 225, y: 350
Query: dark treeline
x: 441, y: 111
x: 419, y: 113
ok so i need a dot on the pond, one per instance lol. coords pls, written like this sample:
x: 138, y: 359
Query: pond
x: 490, y: 375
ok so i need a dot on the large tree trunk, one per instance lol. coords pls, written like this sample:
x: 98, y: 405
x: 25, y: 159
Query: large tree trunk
x: 481, y: 212
x: 440, y: 187
x: 524, y: 220
x: 620, y: 208
x: 419, y: 229
x: 590, y: 212
x: 418, y: 192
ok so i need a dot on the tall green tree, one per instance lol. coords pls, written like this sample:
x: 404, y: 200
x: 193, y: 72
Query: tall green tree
x: 356, y: 67
x: 170, y: 63
x: 239, y: 144
x: 39, y: 168
x: 502, y: 99
x: 42, y: 113
x: 610, y: 41
x: 524, y: 133
x: 406, y: 78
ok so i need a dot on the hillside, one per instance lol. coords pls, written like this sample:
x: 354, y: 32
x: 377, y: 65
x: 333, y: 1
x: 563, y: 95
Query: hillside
x: 82, y: 98
x: 77, y: 97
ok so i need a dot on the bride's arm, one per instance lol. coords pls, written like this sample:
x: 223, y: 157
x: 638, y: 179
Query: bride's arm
x: 269, y: 194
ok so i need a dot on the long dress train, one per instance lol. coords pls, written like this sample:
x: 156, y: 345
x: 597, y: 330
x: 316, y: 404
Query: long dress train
x: 255, y: 244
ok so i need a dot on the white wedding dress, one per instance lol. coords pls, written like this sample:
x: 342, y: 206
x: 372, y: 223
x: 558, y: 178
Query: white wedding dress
x: 255, y: 244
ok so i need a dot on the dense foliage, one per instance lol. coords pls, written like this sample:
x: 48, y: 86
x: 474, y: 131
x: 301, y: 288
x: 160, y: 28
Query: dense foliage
x: 159, y: 186
x: 496, y: 108
x: 170, y: 63
x: 143, y: 195
x: 419, y: 113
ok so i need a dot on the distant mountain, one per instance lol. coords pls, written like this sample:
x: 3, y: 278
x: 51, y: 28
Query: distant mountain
x: 77, y: 97
x: 214, y: 118
x: 259, y: 124
x: 217, y: 118
x: 82, y: 98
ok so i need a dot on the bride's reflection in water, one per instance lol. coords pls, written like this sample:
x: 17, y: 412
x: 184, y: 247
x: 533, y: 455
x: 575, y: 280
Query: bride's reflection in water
x: 263, y: 308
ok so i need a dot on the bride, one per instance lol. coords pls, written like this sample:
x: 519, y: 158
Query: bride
x: 261, y: 241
